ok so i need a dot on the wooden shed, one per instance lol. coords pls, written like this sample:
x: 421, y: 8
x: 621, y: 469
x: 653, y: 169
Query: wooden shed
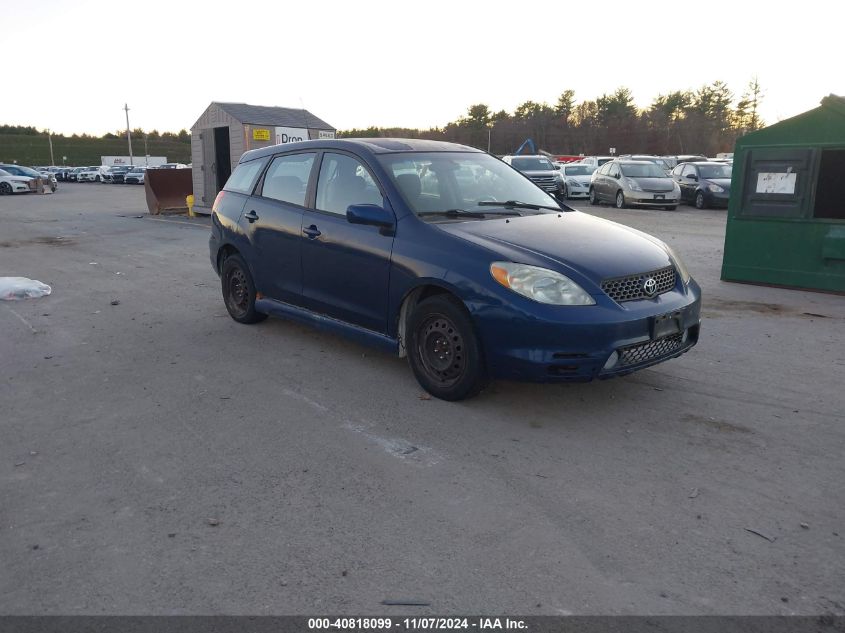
x: 226, y: 130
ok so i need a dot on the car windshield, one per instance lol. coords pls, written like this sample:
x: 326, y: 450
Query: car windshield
x: 642, y: 170
x: 531, y: 163
x: 578, y: 170
x: 439, y: 182
x: 714, y: 171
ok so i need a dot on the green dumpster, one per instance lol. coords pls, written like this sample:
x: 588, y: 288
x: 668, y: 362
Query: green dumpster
x: 786, y: 216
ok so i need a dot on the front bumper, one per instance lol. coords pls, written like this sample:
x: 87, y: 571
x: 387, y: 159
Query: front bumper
x: 714, y: 199
x: 582, y: 343
x: 578, y: 192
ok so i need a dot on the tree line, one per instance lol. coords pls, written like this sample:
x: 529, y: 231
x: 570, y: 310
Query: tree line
x: 182, y: 136
x: 703, y: 121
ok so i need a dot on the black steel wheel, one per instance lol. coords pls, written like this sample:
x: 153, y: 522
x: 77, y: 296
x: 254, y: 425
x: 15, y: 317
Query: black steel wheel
x: 5, y: 188
x: 700, y: 202
x: 239, y: 291
x: 443, y: 349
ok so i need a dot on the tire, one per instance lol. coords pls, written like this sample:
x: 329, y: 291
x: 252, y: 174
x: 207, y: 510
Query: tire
x: 239, y: 291
x: 594, y: 199
x: 671, y: 207
x: 5, y: 188
x: 443, y: 350
x: 620, y: 200
x: 700, y: 202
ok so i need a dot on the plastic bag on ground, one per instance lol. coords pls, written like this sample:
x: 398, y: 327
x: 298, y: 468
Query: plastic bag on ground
x: 13, y: 288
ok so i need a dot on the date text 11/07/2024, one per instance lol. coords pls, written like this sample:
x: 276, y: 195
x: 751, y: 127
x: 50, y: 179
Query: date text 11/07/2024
x: 412, y: 624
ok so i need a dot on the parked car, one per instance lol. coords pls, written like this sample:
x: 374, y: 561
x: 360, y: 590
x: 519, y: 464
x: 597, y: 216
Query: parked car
x: 596, y: 161
x: 48, y: 177
x: 171, y: 166
x: 540, y: 170
x: 704, y: 184
x: 73, y: 174
x: 135, y: 176
x: 12, y: 183
x: 116, y: 173
x: 91, y: 174
x: 576, y: 178
x: 28, y: 172
x: 470, y: 285
x: 634, y: 183
x: 689, y: 158
x: 60, y: 173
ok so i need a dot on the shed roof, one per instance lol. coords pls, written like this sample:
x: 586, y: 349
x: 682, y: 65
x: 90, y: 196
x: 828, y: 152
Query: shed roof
x: 273, y: 115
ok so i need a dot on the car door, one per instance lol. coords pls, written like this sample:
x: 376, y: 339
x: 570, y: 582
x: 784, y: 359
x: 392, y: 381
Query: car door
x: 688, y: 182
x: 272, y: 221
x: 598, y: 181
x: 611, y: 182
x: 346, y: 267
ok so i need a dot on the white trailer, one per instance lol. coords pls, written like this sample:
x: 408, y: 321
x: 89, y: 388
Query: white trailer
x: 139, y: 161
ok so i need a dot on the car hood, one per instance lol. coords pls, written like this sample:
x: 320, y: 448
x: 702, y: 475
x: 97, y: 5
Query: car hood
x: 655, y: 184
x: 584, y: 179
x: 591, y: 247
x: 724, y: 183
x: 549, y: 173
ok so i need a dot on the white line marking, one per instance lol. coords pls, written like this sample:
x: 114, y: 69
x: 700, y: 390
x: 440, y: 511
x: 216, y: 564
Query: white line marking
x: 196, y: 226
x: 24, y: 321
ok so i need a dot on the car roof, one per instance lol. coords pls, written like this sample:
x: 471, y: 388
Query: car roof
x: 367, y: 145
x: 704, y: 162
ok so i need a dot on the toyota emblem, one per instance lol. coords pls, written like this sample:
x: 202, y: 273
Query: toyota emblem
x: 650, y: 287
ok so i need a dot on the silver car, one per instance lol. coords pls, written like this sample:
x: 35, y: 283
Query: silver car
x: 576, y: 179
x: 634, y: 183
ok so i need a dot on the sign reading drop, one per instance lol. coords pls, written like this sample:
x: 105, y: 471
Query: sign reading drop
x: 290, y: 135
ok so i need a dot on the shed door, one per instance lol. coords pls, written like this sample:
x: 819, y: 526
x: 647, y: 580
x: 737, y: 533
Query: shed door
x: 209, y: 175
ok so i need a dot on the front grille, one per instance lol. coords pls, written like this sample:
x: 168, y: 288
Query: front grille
x: 549, y: 183
x: 653, y: 350
x: 630, y: 288
x: 657, y: 190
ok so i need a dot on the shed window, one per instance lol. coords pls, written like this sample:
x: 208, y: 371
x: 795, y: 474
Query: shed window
x: 830, y: 191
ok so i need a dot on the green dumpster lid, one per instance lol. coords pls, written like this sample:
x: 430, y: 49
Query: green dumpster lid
x: 835, y: 103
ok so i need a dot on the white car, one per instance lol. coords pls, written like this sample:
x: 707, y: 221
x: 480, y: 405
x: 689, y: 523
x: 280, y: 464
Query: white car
x: 10, y: 183
x: 576, y: 179
x: 135, y: 176
x: 91, y: 174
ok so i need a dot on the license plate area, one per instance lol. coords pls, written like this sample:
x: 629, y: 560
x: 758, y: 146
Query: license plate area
x: 665, y: 325
x: 659, y: 196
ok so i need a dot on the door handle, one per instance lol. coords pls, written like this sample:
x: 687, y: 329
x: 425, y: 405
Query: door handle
x: 312, y: 232
x: 252, y: 216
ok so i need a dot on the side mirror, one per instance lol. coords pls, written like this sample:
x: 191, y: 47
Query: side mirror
x: 557, y: 167
x: 369, y: 214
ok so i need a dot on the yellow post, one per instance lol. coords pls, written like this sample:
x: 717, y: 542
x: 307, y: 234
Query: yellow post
x: 189, y: 200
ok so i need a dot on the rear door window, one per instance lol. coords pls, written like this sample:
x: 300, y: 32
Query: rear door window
x: 245, y: 175
x: 287, y: 178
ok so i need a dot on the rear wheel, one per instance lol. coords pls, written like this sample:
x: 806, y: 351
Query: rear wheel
x: 594, y: 199
x: 700, y: 202
x: 620, y: 200
x: 443, y: 350
x: 239, y: 291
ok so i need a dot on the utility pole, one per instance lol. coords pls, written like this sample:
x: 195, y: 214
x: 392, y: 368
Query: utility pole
x: 50, y: 140
x: 128, y: 134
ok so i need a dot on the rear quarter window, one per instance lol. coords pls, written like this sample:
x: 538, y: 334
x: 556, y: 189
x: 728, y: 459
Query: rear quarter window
x: 245, y: 175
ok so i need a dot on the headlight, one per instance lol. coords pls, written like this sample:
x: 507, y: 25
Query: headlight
x: 20, y: 182
x: 679, y: 263
x: 540, y: 284
x: 715, y: 188
x: 633, y: 184
x: 574, y: 183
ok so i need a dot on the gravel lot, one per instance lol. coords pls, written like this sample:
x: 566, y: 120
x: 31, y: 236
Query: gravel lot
x: 159, y: 458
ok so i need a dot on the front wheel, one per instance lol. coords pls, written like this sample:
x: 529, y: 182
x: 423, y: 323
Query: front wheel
x: 443, y: 350
x: 700, y: 202
x: 5, y: 188
x: 620, y: 200
x: 594, y: 199
x: 239, y: 291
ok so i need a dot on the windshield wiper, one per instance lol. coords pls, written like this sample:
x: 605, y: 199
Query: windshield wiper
x: 511, y: 204
x: 453, y: 213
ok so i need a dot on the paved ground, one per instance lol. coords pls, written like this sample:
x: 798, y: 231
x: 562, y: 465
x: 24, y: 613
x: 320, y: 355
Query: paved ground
x: 128, y: 430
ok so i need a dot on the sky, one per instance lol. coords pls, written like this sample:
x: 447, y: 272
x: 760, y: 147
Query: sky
x: 361, y: 63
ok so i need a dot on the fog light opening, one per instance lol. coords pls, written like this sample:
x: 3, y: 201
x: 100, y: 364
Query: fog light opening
x: 612, y: 361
